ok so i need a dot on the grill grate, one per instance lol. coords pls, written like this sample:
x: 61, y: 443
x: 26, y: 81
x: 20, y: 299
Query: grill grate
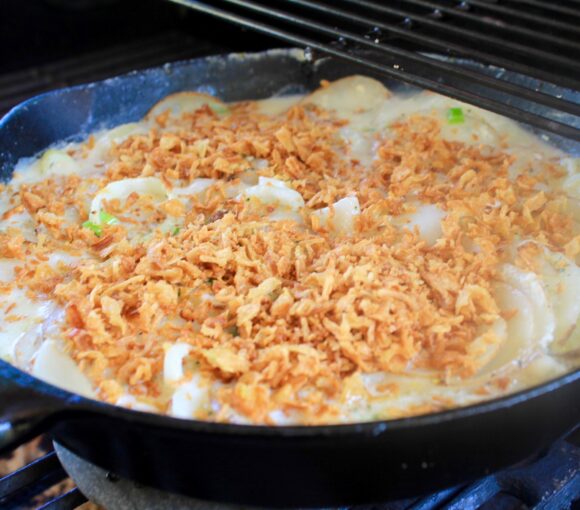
x: 20, y: 489
x: 531, y: 37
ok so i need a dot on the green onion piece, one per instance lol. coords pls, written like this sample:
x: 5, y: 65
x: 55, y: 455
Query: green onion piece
x: 233, y: 330
x: 455, y: 116
x: 97, y: 229
x: 176, y: 231
x: 107, y: 219
x: 219, y: 109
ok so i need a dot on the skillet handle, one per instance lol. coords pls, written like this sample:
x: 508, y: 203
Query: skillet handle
x: 27, y: 407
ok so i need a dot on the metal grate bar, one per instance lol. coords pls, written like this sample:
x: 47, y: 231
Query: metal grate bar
x: 470, y: 35
x: 446, y: 46
x: 409, y: 56
x: 506, y: 27
x: 474, y: 495
x: 415, y: 79
x: 72, y: 499
x: 541, y: 21
x: 460, y: 73
x: 32, y: 479
x: 549, y: 6
x: 467, y: 6
x: 569, y: 491
x: 434, y: 501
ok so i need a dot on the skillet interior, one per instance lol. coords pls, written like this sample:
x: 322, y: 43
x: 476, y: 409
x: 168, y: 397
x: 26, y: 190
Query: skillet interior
x: 287, y: 466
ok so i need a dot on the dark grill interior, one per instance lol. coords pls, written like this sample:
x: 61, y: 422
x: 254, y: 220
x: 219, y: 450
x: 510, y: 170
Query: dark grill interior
x: 58, y: 43
x: 63, y: 43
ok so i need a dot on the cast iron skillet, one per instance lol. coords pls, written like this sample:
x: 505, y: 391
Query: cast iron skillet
x: 255, y: 465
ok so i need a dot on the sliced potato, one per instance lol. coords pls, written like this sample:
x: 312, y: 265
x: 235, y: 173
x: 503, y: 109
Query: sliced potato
x: 472, y: 130
x: 415, y: 390
x: 27, y: 330
x: 196, y: 187
x: 173, y: 362
x: 271, y: 181
x: 186, y: 102
x: 427, y: 218
x: 542, y: 368
x: 124, y: 131
x: 486, y: 346
x: 520, y: 328
x: 351, y: 95
x: 271, y: 191
x: 342, y: 219
x: 122, y: 189
x: 188, y: 398
x: 488, y: 126
x: 56, y: 367
x: 57, y: 162
x: 285, y: 215
x: 116, y: 135
x: 357, y: 99
x: 568, y: 345
x: 542, y: 313
x: 561, y: 279
x: 277, y: 105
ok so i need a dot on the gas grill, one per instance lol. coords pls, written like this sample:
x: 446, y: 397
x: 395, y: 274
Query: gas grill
x: 401, y: 39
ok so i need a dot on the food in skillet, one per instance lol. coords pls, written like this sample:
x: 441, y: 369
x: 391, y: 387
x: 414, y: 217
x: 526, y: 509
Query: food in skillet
x: 345, y: 256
